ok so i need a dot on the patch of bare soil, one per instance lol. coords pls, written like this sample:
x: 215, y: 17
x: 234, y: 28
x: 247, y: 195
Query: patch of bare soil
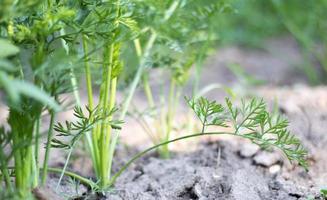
x: 206, y: 175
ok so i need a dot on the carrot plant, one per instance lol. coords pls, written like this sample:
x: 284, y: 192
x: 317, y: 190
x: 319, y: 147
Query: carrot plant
x: 183, y: 31
x: 101, y: 31
x: 104, y: 28
x: 33, y: 74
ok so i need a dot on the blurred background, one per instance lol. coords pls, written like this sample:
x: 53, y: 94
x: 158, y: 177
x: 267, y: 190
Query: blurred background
x: 283, y: 34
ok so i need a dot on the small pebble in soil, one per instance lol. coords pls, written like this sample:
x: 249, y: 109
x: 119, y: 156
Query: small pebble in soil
x: 274, y: 169
x: 266, y: 159
x: 248, y: 150
x: 198, y: 190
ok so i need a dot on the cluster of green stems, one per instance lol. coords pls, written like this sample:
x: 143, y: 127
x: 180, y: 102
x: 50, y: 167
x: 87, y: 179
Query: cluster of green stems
x: 100, y: 139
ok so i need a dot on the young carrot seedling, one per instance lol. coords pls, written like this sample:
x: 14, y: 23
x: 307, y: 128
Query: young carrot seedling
x: 32, y: 77
x: 181, y: 29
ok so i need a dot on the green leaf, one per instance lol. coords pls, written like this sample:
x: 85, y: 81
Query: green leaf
x: 6, y: 66
x: 323, y: 192
x: 7, y: 49
x: 5, y: 83
x: 34, y: 92
x: 210, y: 113
x: 14, y: 88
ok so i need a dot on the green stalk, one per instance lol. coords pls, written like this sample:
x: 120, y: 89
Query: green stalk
x: 139, y: 155
x: 138, y: 48
x: 48, y: 148
x: 88, y: 78
x: 74, y: 176
x: 109, y: 156
x: 21, y: 137
x: 37, y: 139
x: 148, y: 90
x: 107, y: 101
x: 131, y: 92
x: 73, y: 79
x: 136, y: 80
x: 105, y: 128
x: 170, y: 11
x: 71, y: 147
x: 170, y: 115
x: 5, y: 171
x: 96, y: 149
x: 27, y: 166
x: 138, y: 75
x: 7, y: 179
x: 22, y: 165
x: 35, y: 174
x: 145, y: 77
x: 65, y: 167
x: 18, y: 169
x: 35, y: 155
x: 88, y: 75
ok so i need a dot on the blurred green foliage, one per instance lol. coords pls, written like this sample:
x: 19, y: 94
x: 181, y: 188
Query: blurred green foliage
x: 251, y: 22
x: 254, y: 21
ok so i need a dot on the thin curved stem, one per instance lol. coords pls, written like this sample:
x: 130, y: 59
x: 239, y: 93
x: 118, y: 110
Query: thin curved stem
x: 75, y: 176
x: 82, y: 179
x: 169, y: 117
x: 63, y: 171
x: 88, y: 75
x: 138, y: 75
x: 139, y: 155
x: 48, y: 148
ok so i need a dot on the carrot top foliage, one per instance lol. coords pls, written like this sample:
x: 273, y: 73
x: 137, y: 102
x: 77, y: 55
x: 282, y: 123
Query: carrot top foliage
x: 252, y: 121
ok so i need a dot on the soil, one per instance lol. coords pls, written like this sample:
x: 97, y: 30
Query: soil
x: 204, y: 174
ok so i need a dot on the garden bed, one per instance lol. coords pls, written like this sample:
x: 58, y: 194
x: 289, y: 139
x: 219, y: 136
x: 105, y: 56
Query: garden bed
x: 227, y: 167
